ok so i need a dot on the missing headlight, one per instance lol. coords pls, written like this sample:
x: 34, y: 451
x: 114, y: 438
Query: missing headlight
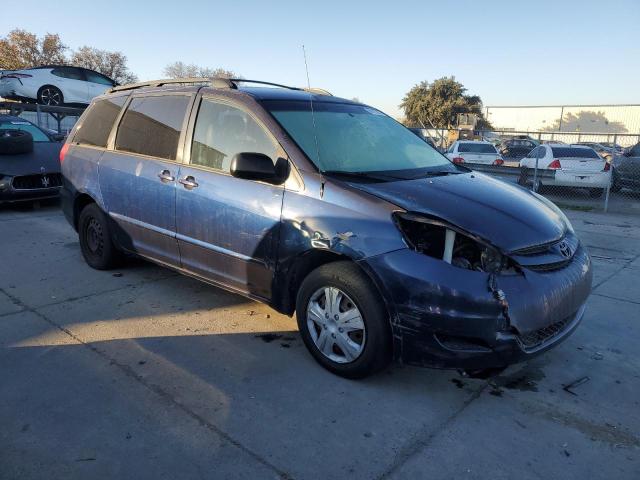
x: 434, y: 238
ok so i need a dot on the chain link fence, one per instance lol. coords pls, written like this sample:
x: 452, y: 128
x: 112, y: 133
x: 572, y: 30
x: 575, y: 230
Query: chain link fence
x: 583, y: 171
x: 52, y: 119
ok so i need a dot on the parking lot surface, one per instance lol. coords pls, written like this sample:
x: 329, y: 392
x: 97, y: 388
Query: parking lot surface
x: 143, y: 373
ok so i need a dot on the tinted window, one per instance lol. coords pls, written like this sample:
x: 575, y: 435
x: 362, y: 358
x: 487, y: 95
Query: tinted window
x: 96, y: 126
x: 68, y: 72
x: 560, y: 152
x: 95, y: 77
x: 37, y: 134
x: 221, y: 131
x: 152, y: 125
x: 473, y: 147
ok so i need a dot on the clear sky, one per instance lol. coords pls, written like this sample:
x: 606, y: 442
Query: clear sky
x: 508, y: 52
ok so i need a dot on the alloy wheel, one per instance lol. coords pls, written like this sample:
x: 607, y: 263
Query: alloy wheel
x: 51, y: 96
x: 336, y: 325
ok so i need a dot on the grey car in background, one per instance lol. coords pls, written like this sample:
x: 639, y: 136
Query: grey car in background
x: 626, y: 169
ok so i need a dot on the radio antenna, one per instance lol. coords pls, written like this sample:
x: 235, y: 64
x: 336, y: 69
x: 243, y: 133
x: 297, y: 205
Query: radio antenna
x: 313, y: 117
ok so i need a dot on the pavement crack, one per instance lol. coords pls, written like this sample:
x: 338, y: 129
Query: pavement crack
x: 609, y: 277
x: 425, y: 437
x: 616, y: 298
x: 157, y: 390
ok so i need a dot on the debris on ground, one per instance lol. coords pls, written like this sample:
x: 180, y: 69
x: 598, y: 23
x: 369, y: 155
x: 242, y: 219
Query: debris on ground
x: 568, y: 388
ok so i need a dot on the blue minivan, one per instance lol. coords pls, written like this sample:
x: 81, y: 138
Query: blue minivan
x: 329, y: 209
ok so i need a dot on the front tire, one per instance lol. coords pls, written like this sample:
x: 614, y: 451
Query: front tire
x: 342, y: 321
x: 95, y: 235
x: 50, y: 95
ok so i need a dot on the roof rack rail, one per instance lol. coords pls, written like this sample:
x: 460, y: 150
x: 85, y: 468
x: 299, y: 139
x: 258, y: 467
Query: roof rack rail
x: 159, y: 83
x: 260, y: 82
x: 215, y: 82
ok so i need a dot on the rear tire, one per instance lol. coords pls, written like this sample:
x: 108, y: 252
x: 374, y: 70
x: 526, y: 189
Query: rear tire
x: 524, y: 176
x: 370, y: 341
x: 615, y: 183
x: 95, y: 235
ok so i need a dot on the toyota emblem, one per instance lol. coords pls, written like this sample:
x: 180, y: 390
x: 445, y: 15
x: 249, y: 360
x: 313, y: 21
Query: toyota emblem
x: 565, y: 249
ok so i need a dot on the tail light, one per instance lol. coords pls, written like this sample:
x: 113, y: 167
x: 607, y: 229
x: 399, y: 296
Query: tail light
x: 63, y: 152
x: 498, y: 161
x: 458, y: 160
x: 555, y: 164
x: 607, y: 167
x: 16, y: 75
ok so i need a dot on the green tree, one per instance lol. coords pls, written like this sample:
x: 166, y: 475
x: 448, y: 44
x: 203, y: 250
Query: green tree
x: 438, y: 104
x: 21, y: 49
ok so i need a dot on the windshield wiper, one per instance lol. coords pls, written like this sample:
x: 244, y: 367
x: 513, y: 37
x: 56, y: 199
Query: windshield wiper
x: 365, y: 175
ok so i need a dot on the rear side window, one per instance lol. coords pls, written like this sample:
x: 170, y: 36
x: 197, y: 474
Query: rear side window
x: 152, y: 126
x: 222, y: 131
x: 560, y: 152
x: 476, y: 148
x: 95, y: 128
x: 95, y: 77
x: 68, y: 72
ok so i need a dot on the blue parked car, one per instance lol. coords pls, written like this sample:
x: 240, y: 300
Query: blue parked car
x: 328, y: 209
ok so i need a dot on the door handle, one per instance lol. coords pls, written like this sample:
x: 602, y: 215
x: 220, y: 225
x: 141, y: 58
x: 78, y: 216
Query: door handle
x: 188, y: 182
x: 165, y: 176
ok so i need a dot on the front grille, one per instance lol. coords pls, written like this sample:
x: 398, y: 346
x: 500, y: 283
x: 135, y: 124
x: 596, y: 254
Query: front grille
x: 546, y: 267
x: 32, y: 182
x: 538, y: 337
x: 549, y: 256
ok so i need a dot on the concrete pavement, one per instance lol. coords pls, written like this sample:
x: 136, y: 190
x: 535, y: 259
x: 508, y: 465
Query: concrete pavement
x: 142, y: 373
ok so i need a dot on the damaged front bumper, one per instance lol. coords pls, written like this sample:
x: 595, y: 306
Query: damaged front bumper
x: 448, y: 317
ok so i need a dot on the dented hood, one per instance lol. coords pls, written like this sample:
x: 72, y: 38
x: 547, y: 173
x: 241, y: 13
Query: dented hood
x: 506, y: 215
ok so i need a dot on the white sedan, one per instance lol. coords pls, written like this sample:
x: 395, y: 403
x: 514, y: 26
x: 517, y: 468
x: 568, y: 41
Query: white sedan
x: 54, y: 85
x: 574, y: 165
x: 468, y: 151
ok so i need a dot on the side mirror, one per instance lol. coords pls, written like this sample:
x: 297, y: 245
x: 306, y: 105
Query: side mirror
x: 258, y: 166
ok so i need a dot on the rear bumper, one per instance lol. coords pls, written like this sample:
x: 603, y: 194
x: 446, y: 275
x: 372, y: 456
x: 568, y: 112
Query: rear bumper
x: 580, y: 179
x: 447, y: 317
x: 12, y: 89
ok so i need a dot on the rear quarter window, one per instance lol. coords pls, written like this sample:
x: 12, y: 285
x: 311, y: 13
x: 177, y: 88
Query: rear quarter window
x: 95, y: 128
x: 564, y: 152
x: 152, y: 125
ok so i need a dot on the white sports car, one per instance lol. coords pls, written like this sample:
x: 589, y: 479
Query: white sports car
x: 54, y: 85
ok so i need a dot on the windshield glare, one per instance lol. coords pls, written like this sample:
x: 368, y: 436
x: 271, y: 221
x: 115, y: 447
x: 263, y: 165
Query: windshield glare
x: 37, y: 134
x: 354, y: 138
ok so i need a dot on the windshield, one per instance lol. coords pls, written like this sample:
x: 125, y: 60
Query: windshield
x: 37, y: 134
x: 354, y: 138
x: 476, y: 147
x: 562, y: 152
